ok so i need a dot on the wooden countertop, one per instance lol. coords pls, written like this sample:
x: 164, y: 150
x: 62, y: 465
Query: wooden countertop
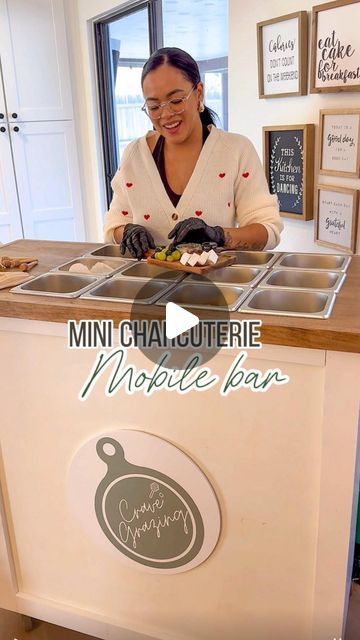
x: 340, y: 332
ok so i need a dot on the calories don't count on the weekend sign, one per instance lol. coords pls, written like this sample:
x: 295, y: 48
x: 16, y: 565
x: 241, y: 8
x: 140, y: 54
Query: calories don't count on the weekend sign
x: 282, y: 55
x: 281, y: 58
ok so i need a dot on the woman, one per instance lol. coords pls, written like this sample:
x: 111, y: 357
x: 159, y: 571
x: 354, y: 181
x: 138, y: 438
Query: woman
x: 186, y: 180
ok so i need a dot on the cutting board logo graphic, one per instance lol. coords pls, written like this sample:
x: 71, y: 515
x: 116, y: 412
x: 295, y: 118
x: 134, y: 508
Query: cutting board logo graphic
x: 142, y: 500
x: 146, y: 515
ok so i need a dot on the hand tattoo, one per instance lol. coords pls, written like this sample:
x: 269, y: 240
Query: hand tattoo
x: 241, y: 244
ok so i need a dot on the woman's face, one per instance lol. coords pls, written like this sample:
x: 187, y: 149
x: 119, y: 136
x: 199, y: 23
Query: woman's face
x: 167, y: 83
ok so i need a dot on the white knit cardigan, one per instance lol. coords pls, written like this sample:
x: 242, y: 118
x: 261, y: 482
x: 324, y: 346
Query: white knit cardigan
x: 227, y: 188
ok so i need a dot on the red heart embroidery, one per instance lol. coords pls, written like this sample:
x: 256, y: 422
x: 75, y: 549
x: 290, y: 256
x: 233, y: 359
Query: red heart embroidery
x: 125, y: 213
x: 129, y: 184
x: 198, y: 213
x: 246, y: 174
x: 221, y: 175
x: 146, y: 216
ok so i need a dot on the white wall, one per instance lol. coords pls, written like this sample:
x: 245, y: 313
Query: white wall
x: 248, y: 114
x: 80, y: 16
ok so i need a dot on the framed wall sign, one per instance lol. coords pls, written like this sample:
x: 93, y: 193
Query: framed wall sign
x: 340, y: 142
x: 282, y: 56
x: 335, y: 47
x: 289, y: 168
x: 337, y: 217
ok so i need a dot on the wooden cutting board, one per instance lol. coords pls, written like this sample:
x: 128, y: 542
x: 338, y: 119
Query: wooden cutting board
x: 12, y: 278
x: 223, y: 261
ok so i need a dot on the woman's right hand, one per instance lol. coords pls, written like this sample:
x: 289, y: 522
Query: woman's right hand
x: 137, y: 240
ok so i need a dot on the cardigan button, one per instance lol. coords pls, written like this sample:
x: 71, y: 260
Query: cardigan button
x: 175, y: 216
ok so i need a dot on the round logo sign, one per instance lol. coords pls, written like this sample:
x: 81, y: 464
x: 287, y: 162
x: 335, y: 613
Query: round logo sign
x: 152, y: 503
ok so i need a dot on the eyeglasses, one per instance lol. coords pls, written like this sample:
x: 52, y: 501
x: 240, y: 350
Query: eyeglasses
x: 175, y: 105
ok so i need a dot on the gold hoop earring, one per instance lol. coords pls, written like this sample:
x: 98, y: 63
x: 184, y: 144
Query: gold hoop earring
x: 201, y: 106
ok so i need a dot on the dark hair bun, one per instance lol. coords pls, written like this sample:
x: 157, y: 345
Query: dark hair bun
x: 186, y: 64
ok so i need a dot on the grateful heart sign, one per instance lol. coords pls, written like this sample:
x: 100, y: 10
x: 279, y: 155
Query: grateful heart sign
x: 151, y: 504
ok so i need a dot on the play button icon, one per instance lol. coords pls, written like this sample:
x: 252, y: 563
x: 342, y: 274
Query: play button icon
x: 178, y: 320
x: 164, y: 320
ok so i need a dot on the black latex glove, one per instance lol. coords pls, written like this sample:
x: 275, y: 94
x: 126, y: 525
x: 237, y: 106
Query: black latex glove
x: 137, y: 240
x: 195, y: 230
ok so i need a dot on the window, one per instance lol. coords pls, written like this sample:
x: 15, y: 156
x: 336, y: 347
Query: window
x: 130, y: 45
x: 124, y: 42
x: 201, y: 28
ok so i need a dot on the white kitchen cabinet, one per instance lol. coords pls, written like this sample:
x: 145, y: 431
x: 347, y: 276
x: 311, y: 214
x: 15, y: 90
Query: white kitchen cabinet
x: 46, y: 161
x: 34, y: 60
x: 10, y: 221
x: 2, y: 100
x: 40, y: 193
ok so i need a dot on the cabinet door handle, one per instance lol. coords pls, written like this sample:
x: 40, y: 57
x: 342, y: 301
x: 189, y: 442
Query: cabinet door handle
x: 2, y: 116
x: 2, y: 129
x: 16, y: 129
x: 14, y: 115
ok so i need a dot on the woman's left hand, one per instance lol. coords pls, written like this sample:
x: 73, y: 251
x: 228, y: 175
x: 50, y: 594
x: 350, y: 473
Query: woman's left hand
x: 195, y: 230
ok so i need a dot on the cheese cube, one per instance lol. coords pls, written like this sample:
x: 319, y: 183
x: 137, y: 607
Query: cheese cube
x: 193, y: 260
x: 203, y: 258
x: 212, y: 257
x: 185, y: 258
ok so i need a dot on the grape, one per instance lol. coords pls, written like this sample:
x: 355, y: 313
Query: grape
x: 176, y: 255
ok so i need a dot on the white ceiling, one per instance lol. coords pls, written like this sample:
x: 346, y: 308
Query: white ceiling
x: 198, y: 26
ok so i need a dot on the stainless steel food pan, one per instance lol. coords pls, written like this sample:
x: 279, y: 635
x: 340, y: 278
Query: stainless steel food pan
x: 286, y: 302
x: 203, y: 296
x: 254, y: 258
x: 237, y: 274
x: 118, y: 289
x: 304, y: 279
x: 115, y: 264
x: 63, y: 285
x: 110, y: 251
x: 147, y: 271
x: 319, y: 261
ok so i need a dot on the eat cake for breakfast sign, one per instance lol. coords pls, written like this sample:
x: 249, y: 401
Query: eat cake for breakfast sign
x: 142, y: 499
x: 335, y: 50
